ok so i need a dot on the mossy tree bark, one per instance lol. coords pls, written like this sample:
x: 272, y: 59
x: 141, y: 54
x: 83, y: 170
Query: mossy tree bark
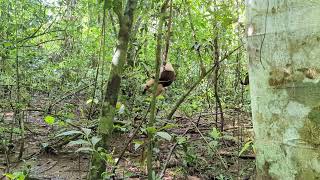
x: 105, y: 127
x: 284, y: 69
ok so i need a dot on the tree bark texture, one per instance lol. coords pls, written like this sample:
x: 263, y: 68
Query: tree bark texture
x: 284, y: 50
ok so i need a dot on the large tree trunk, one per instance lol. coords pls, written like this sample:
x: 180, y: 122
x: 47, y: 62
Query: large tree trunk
x: 284, y: 51
x: 108, y: 110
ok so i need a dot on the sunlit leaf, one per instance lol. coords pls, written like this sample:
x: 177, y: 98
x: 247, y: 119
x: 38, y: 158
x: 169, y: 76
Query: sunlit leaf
x: 118, y: 105
x: 164, y: 135
x: 89, y: 101
x: 9, y: 175
x: 245, y: 147
x: 215, y: 134
x: 49, y: 120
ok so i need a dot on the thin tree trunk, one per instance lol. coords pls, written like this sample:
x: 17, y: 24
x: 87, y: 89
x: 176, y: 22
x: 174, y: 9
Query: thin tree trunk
x: 218, y: 106
x: 154, y: 99
x: 105, y: 127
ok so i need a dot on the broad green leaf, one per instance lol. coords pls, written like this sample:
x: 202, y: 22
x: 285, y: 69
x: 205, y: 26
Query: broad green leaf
x: 86, y: 131
x: 95, y: 140
x: 78, y: 142
x: 164, y: 135
x: 49, y: 120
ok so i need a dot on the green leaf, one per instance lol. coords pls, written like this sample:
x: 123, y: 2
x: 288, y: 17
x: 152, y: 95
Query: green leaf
x: 85, y: 149
x: 67, y: 133
x: 160, y: 97
x: 151, y: 130
x: 95, y: 101
x: 95, y: 140
x: 19, y: 175
x: 78, y: 142
x: 49, y: 120
x: 118, y: 105
x: 7, y: 44
x: 168, y: 126
x: 181, y: 140
x: 245, y: 147
x: 86, y: 131
x: 137, y: 144
x: 9, y: 175
x: 61, y: 123
x: 164, y: 135
x: 215, y: 134
x: 89, y: 101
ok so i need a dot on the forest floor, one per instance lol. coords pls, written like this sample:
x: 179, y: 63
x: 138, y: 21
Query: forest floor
x: 47, y: 158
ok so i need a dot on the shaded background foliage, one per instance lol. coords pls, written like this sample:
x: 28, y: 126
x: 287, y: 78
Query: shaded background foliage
x: 53, y: 49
